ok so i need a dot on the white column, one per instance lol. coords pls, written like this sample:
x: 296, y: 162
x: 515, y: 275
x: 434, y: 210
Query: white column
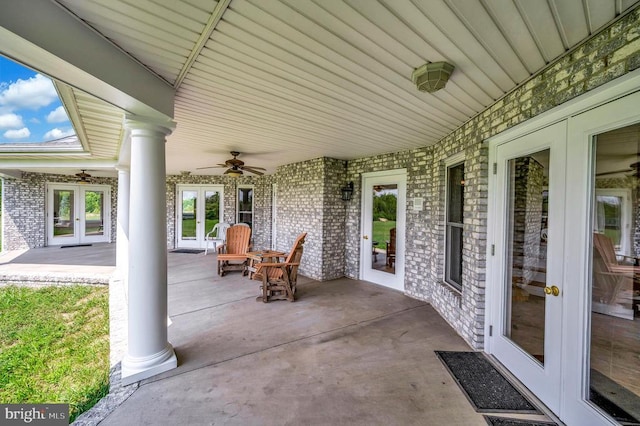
x: 122, y: 234
x: 148, y: 350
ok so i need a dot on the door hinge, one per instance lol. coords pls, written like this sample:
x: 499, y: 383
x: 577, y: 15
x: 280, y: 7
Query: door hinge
x: 490, y: 330
x: 493, y: 249
x: 495, y: 168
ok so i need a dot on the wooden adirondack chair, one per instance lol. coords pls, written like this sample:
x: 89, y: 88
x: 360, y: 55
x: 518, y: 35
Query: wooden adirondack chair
x: 232, y: 255
x: 614, y: 283
x: 279, y: 279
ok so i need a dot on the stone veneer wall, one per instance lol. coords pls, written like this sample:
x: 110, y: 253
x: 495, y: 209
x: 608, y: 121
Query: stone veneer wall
x: 24, y: 208
x: 604, y: 57
x: 333, y: 219
x: 308, y: 200
x: 261, y: 227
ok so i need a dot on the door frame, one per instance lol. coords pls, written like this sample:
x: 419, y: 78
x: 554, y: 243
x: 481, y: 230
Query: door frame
x: 201, y: 231
x: 573, y: 406
x: 79, y: 191
x: 366, y: 248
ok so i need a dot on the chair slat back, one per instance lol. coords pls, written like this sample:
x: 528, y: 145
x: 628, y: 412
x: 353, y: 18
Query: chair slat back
x: 605, y: 249
x: 238, y: 238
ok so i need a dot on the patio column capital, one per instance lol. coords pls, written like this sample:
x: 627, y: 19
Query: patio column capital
x: 139, y: 125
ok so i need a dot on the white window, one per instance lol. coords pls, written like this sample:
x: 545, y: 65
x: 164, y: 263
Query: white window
x: 454, y: 224
x: 245, y: 205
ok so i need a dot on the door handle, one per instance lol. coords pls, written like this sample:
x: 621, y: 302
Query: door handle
x: 365, y: 237
x: 554, y: 290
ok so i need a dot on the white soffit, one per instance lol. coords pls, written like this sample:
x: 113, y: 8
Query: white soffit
x: 283, y: 81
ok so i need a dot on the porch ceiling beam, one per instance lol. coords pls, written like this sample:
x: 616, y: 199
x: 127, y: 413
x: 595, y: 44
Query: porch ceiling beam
x: 18, y: 164
x: 46, y: 37
x: 215, y: 17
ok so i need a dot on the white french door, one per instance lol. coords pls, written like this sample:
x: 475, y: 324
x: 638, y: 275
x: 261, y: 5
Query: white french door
x: 561, y: 320
x: 383, y: 228
x: 529, y: 243
x: 602, y: 362
x: 78, y: 214
x: 199, y: 208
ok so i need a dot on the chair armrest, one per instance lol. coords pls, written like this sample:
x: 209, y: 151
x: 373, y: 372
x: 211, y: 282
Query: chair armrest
x: 222, y: 248
x: 624, y: 269
x: 275, y: 264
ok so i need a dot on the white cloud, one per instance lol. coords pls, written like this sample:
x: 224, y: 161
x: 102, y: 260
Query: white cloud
x: 58, y: 115
x: 10, y: 121
x: 34, y: 93
x: 17, y: 134
x: 58, y: 133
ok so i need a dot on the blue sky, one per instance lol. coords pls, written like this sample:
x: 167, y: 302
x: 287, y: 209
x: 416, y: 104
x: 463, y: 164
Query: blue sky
x: 30, y: 109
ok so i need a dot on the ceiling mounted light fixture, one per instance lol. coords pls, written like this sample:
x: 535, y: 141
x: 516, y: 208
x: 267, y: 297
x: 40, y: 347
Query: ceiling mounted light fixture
x: 432, y: 76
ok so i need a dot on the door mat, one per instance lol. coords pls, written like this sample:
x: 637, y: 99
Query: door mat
x: 503, y: 421
x: 486, y: 389
x: 77, y: 245
x: 187, y: 251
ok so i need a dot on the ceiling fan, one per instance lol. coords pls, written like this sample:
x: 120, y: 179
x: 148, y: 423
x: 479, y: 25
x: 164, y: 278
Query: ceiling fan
x: 83, y: 177
x: 236, y: 167
x: 633, y: 170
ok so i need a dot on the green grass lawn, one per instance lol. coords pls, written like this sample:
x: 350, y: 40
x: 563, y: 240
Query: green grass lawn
x: 54, y: 346
x: 381, y: 232
x: 189, y: 227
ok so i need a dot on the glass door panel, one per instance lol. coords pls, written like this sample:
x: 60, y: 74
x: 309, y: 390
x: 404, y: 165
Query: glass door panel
x: 614, y: 362
x: 211, y: 209
x: 64, y: 214
x: 93, y: 213
x: 383, y: 227
x: 526, y: 279
x: 188, y: 214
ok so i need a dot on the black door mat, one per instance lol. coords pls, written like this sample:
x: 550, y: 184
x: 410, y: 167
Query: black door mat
x: 76, y: 245
x: 486, y: 389
x: 187, y: 251
x: 503, y: 421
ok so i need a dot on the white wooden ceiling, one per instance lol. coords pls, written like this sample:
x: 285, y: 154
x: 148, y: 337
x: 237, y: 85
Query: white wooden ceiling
x: 283, y: 81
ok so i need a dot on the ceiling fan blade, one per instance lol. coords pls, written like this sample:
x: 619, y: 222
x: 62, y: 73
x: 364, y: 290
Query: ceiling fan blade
x: 219, y: 166
x: 253, y: 170
x: 254, y: 167
x: 615, y: 172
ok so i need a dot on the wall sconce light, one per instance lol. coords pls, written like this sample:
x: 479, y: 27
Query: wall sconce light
x: 347, y: 190
x: 432, y: 76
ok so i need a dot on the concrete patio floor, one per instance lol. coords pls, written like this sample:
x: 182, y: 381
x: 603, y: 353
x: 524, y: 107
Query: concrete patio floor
x: 346, y: 352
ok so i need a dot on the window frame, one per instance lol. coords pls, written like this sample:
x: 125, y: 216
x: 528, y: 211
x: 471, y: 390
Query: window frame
x: 450, y: 163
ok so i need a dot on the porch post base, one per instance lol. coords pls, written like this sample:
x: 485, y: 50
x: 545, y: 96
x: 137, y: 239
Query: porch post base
x: 135, y: 369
